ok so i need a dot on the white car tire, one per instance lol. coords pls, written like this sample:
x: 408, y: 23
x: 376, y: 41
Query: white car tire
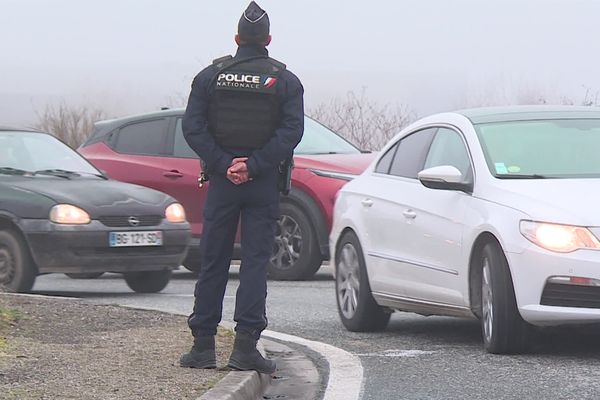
x: 503, y: 329
x: 357, y: 309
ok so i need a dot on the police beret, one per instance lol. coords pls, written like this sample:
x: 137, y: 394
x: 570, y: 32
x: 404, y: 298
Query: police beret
x: 254, y: 24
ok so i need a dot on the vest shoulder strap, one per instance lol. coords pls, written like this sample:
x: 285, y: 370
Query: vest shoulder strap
x: 222, y: 61
x: 277, y: 65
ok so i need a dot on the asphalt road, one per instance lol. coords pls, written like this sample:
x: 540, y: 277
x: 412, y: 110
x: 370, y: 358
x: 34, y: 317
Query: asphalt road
x: 414, y: 358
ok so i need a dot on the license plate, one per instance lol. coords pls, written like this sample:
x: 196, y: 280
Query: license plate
x: 135, y: 239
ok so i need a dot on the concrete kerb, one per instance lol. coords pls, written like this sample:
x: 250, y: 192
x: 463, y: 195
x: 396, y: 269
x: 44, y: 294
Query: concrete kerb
x: 237, y: 385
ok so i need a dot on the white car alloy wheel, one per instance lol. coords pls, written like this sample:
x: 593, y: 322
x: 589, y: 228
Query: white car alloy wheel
x: 358, y: 310
x: 348, y: 280
x: 503, y: 329
x: 487, y: 301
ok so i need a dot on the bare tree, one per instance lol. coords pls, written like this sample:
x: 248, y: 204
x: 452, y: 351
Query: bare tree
x: 362, y: 121
x: 72, y: 124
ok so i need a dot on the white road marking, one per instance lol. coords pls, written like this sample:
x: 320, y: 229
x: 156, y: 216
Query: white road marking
x: 345, y: 369
x: 398, y: 353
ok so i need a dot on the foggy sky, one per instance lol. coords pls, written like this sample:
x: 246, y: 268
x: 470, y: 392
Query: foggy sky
x: 131, y: 56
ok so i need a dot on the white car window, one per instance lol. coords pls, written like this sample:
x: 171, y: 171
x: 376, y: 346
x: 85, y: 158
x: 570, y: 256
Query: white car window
x: 448, y: 148
x: 410, y: 156
x: 384, y: 163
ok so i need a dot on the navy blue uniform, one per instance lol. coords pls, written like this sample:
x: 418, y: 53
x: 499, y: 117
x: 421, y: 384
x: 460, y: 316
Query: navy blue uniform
x: 256, y: 202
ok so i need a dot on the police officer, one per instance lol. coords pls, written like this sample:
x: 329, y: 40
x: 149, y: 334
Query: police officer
x: 245, y: 116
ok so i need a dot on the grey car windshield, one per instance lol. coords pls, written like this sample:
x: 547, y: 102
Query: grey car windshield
x: 30, y: 151
x: 553, y: 148
x: 318, y: 139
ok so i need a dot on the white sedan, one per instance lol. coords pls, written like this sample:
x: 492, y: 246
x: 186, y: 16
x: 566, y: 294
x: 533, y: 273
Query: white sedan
x: 489, y: 213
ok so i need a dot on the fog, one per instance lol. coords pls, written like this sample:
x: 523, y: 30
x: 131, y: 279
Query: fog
x: 130, y: 56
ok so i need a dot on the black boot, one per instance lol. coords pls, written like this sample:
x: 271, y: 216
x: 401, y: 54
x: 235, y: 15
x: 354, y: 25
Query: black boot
x: 245, y: 357
x: 202, y: 354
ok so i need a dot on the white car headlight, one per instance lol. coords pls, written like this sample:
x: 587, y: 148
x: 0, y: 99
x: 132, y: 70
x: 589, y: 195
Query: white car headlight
x: 175, y: 213
x: 69, y: 215
x: 559, y: 238
x: 334, y: 175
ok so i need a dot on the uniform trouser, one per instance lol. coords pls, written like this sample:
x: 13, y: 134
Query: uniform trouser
x: 257, y: 204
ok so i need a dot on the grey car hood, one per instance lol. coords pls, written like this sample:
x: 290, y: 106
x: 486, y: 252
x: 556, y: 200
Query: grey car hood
x: 98, y: 197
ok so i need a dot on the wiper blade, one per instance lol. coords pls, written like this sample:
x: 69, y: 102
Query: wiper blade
x: 92, y: 174
x: 12, y: 171
x: 57, y: 172
x: 524, y: 176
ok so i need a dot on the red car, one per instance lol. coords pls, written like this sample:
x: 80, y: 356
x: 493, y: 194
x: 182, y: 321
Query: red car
x: 150, y: 150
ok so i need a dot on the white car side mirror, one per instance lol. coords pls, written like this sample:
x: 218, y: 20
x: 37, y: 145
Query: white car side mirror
x: 443, y: 173
x: 444, y: 177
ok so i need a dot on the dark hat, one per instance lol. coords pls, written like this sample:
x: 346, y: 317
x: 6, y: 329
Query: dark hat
x: 254, y: 24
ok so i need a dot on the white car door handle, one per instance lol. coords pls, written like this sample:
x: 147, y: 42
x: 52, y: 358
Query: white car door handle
x: 367, y: 202
x: 410, y: 214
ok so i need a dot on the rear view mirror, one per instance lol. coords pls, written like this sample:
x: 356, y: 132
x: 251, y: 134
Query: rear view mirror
x: 444, y: 177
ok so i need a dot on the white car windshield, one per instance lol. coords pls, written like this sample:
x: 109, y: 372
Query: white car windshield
x: 553, y: 148
x: 33, y: 152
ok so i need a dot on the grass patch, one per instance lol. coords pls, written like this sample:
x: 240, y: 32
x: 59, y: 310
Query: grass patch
x: 224, y: 332
x: 208, y: 385
x: 8, y: 319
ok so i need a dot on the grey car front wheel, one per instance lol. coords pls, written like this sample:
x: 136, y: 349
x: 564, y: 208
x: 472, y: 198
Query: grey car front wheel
x: 17, y: 269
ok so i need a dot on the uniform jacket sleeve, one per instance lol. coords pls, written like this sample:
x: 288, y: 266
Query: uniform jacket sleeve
x: 195, y: 127
x: 289, y: 130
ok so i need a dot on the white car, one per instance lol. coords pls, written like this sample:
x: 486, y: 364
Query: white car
x: 491, y: 213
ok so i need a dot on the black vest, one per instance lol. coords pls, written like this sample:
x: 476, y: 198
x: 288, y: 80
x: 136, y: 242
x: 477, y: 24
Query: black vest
x: 244, y: 108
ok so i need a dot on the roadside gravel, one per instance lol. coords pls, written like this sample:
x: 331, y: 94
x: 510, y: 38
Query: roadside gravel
x: 67, y: 349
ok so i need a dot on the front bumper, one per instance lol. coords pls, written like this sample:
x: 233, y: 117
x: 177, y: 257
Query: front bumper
x: 85, y: 248
x: 535, y: 269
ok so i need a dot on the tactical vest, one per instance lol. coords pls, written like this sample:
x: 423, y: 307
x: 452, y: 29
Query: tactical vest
x: 244, y: 108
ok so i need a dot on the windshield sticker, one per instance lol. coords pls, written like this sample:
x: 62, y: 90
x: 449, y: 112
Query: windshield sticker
x: 514, y: 169
x: 501, y: 168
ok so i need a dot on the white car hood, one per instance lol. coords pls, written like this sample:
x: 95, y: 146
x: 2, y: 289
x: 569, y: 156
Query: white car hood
x: 566, y: 201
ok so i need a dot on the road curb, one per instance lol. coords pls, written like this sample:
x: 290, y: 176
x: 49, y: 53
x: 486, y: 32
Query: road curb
x: 237, y: 385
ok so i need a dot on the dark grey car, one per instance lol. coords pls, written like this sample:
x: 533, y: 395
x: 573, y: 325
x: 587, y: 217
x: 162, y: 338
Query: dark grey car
x: 60, y: 214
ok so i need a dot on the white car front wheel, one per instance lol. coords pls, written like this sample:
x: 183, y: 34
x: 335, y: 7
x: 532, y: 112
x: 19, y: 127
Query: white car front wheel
x: 357, y: 309
x: 503, y: 329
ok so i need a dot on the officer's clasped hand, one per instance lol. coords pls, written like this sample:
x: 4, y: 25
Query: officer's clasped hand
x: 237, y: 173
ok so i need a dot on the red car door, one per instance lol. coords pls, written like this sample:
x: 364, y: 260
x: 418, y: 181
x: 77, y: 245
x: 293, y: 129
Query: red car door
x: 180, y: 179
